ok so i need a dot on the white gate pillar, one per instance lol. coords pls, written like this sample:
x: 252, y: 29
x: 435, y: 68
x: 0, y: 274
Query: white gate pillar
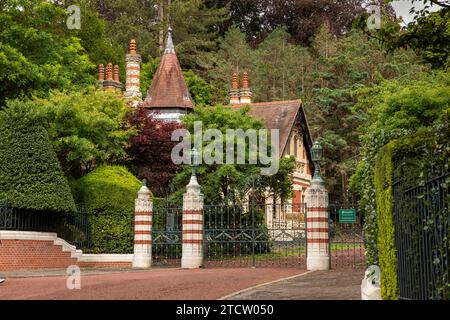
x: 192, y: 243
x: 317, y: 223
x: 142, y: 257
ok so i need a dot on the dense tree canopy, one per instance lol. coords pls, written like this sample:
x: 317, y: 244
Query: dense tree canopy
x: 396, y: 108
x: 86, y: 128
x: 231, y: 182
x: 37, y: 53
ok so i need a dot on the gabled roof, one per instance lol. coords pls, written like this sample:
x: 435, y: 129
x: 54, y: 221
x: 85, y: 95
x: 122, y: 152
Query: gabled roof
x: 168, y: 89
x: 281, y: 115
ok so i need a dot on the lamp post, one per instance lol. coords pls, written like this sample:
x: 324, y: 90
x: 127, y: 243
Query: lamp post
x: 317, y: 220
x: 316, y: 155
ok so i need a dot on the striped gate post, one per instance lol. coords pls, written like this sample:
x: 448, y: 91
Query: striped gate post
x: 316, y: 198
x: 142, y: 257
x: 192, y: 243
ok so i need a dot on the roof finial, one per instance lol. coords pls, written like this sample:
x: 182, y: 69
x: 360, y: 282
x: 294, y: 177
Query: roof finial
x: 169, y: 43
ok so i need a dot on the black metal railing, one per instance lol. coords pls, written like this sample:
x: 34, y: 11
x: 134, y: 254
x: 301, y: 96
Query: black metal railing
x: 421, y: 215
x: 257, y: 235
x: 27, y: 220
x: 346, y: 241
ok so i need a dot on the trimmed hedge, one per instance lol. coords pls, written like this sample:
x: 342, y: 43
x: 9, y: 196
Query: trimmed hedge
x: 383, y: 180
x: 388, y: 158
x: 30, y: 174
x: 108, y: 195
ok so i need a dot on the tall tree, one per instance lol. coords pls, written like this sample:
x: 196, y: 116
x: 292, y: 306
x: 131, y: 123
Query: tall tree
x: 231, y: 182
x: 258, y: 18
x: 37, y: 52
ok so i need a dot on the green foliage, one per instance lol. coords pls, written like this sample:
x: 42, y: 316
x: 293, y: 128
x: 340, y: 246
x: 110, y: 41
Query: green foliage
x: 394, y: 109
x: 30, y: 175
x: 430, y: 36
x: 108, y: 195
x: 92, y: 34
x: 201, y: 92
x: 231, y: 182
x: 383, y: 179
x: 37, y: 53
x: 86, y: 128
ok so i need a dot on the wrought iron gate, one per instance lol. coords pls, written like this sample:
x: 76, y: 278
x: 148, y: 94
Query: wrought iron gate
x: 167, y: 236
x: 346, y: 240
x: 255, y: 235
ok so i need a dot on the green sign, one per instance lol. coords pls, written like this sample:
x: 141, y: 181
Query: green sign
x: 347, y: 215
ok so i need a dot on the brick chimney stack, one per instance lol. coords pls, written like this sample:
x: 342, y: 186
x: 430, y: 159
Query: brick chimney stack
x: 133, y: 64
x: 116, y: 73
x: 101, y: 73
x: 245, y: 94
x: 109, y: 84
x: 234, y: 92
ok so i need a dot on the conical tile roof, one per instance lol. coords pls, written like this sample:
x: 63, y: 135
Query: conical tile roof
x: 168, y: 89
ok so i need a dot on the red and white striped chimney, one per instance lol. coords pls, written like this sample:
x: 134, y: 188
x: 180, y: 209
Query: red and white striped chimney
x: 133, y: 62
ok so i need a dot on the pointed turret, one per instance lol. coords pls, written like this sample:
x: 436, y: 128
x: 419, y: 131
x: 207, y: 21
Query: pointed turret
x: 169, y: 93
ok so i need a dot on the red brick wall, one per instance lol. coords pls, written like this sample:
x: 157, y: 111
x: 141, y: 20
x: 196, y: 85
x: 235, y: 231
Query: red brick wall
x: 18, y: 255
x: 33, y: 254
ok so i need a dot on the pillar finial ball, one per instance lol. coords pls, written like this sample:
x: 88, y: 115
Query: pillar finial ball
x: 144, y: 182
x: 133, y: 46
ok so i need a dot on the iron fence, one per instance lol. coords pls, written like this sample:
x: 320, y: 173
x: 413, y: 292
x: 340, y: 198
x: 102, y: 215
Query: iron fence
x: 346, y: 245
x: 257, y: 235
x: 167, y: 235
x: 421, y: 215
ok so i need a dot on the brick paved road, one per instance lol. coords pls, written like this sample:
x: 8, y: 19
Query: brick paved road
x: 153, y: 284
x: 318, y: 285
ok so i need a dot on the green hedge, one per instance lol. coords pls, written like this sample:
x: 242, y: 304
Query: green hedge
x: 387, y: 159
x: 30, y: 174
x: 108, y: 194
x: 383, y: 179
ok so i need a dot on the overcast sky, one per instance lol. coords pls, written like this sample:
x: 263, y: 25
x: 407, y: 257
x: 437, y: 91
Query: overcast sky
x: 402, y: 8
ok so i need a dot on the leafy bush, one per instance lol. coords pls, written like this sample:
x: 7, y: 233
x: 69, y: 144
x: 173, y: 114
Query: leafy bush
x: 87, y: 128
x: 30, y: 174
x: 108, y: 194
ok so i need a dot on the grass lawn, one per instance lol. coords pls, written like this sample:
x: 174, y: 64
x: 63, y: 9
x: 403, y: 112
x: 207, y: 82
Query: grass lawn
x: 288, y: 252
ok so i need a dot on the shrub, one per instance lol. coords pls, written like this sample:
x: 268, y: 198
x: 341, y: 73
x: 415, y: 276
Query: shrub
x: 30, y: 174
x: 383, y: 178
x: 108, y: 194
